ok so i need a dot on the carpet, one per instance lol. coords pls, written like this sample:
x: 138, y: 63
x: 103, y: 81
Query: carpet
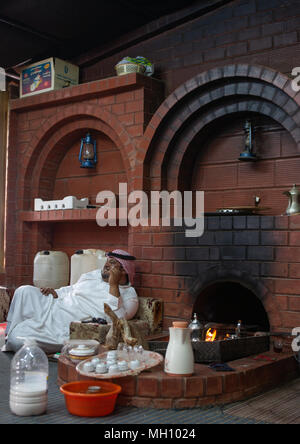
x: 278, y: 406
x: 58, y: 414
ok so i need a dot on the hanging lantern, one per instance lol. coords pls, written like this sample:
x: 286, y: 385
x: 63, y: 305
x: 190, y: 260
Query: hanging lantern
x: 88, y: 152
x: 247, y: 155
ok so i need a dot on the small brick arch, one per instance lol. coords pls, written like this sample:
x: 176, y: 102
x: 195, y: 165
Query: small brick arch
x: 207, y: 97
x: 49, y: 138
x: 220, y: 274
x: 53, y: 152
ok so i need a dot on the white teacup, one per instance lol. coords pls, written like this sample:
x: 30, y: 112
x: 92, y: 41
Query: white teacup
x: 110, y: 362
x: 112, y: 355
x: 101, y: 368
x: 113, y: 368
x: 96, y: 361
x: 134, y: 364
x: 88, y: 367
x: 123, y: 366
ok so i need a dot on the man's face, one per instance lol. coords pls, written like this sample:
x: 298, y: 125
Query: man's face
x: 112, y: 263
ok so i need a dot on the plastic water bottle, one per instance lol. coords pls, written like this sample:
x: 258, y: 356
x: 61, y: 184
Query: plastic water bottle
x: 29, y: 380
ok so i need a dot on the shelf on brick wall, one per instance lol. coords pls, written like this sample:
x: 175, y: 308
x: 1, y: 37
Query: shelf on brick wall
x: 76, y: 215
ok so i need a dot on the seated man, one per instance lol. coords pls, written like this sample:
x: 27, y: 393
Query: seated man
x: 45, y: 314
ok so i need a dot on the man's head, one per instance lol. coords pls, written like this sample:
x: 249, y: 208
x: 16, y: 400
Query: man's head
x: 109, y: 265
x: 123, y: 262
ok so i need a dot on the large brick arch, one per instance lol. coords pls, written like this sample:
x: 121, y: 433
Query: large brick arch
x: 204, y: 99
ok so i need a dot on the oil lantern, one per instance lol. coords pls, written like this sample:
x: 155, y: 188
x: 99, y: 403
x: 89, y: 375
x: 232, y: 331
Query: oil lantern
x: 88, y: 152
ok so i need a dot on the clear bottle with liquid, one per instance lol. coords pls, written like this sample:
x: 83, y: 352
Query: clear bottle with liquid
x: 29, y: 380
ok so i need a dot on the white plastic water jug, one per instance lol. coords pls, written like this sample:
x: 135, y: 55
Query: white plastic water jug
x: 28, y: 380
x: 51, y: 269
x: 84, y: 261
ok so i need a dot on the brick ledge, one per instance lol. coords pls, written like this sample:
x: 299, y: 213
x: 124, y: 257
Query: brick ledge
x: 156, y: 389
x: 83, y: 91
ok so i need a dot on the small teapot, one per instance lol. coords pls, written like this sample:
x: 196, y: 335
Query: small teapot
x: 294, y: 205
x: 196, y: 328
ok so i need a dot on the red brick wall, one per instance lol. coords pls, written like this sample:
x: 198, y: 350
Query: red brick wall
x: 229, y: 182
x: 243, y: 31
x: 82, y: 182
x: 72, y: 236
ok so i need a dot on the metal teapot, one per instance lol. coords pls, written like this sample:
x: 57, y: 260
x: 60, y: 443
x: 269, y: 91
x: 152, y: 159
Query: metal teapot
x: 197, y: 329
x: 294, y: 205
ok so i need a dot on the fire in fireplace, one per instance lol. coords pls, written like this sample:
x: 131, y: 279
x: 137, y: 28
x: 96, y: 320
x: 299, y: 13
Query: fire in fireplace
x: 211, y: 335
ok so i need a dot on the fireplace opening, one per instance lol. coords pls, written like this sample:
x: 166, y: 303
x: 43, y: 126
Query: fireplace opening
x: 229, y: 302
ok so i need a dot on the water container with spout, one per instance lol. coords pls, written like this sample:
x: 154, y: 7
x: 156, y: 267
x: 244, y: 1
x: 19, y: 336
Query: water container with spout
x: 84, y: 261
x: 51, y: 269
x: 179, y: 358
x: 29, y: 380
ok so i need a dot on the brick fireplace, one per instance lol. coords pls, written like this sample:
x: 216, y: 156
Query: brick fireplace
x: 189, y: 141
x: 255, y: 257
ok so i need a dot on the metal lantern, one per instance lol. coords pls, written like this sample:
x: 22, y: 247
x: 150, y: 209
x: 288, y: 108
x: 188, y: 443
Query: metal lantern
x: 247, y: 155
x: 88, y: 152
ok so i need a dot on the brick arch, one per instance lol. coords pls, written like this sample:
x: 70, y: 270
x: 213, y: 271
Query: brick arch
x: 175, y: 170
x: 218, y: 274
x: 56, y: 128
x: 53, y: 152
x: 214, y: 87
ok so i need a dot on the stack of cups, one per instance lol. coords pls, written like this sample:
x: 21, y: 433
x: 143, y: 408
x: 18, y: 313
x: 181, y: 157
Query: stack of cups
x: 112, y: 363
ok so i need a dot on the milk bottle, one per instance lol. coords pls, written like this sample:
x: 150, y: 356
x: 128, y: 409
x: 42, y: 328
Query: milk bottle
x: 29, y: 381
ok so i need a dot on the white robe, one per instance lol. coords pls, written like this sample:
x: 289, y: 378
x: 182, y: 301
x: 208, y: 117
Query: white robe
x: 47, y: 320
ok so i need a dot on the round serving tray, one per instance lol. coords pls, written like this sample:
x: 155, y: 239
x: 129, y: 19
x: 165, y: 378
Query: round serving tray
x: 151, y: 360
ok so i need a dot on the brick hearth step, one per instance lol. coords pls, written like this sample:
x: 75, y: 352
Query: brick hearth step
x: 156, y: 389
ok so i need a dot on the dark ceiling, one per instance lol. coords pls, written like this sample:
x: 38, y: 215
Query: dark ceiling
x: 36, y: 29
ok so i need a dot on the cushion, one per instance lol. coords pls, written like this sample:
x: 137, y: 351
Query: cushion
x: 148, y: 320
x: 99, y: 332
x: 4, y: 303
x: 151, y: 310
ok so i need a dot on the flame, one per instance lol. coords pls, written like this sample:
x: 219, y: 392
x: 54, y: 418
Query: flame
x: 210, y: 335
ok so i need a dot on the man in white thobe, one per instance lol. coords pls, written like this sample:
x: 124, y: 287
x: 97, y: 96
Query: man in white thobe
x: 45, y: 314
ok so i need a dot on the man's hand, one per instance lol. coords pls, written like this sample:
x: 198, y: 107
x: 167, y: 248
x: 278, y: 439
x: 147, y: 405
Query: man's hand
x: 115, y: 276
x: 47, y: 291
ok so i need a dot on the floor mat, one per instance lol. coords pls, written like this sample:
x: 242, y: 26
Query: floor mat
x: 279, y: 406
x: 58, y: 414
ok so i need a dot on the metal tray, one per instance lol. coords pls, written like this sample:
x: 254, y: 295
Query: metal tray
x: 221, y: 351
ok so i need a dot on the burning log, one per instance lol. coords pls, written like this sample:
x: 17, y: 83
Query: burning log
x: 211, y: 335
x: 224, y: 331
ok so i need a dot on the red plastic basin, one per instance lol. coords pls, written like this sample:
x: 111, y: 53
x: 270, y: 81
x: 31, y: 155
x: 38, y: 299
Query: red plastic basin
x: 81, y: 403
